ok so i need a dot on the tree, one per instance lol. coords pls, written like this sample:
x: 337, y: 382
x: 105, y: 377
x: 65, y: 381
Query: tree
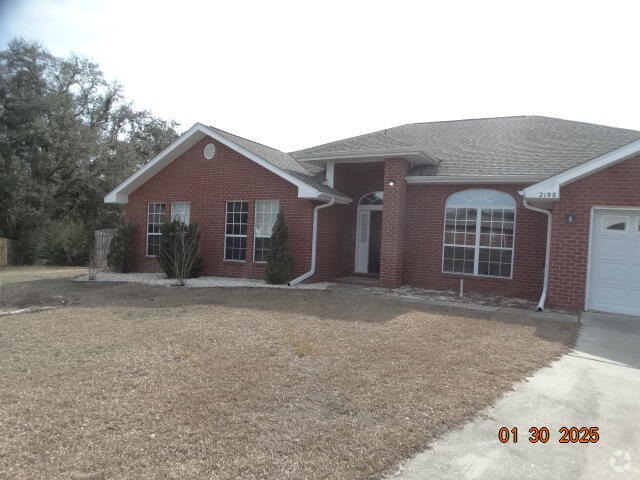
x: 180, y: 251
x: 67, y: 138
x: 279, y: 263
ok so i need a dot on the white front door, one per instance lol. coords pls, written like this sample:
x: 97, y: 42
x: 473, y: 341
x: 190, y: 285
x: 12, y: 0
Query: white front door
x: 614, y: 263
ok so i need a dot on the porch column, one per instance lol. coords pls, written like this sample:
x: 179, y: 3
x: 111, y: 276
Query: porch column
x: 393, y: 222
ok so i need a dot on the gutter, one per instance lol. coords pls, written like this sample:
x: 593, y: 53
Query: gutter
x: 547, y: 257
x: 314, y: 244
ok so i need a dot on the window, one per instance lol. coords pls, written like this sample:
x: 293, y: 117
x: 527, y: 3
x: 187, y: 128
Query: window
x: 266, y: 215
x: 180, y: 211
x: 235, y: 239
x: 615, y: 223
x: 155, y: 218
x: 479, y: 230
x: 375, y: 198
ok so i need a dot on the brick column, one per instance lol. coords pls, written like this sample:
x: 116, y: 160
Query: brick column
x: 393, y: 222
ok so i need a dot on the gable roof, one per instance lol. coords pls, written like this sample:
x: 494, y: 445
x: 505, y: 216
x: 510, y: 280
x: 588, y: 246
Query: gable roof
x: 304, y: 177
x: 527, y: 145
x: 310, y: 174
x: 549, y: 188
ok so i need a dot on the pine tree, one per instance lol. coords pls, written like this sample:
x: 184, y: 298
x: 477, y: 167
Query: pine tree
x: 279, y: 262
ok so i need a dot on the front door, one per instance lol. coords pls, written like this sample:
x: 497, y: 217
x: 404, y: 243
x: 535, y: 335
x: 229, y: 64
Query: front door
x: 369, y: 236
x: 375, y: 234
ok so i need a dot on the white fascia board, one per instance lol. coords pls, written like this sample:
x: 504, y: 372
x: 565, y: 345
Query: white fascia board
x: 418, y: 156
x: 417, y: 179
x: 121, y: 193
x: 550, y: 187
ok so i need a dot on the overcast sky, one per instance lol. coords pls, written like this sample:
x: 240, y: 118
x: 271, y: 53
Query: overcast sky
x: 297, y: 74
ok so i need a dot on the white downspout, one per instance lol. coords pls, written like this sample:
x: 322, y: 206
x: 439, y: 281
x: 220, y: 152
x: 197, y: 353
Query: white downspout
x: 314, y: 242
x: 547, y: 257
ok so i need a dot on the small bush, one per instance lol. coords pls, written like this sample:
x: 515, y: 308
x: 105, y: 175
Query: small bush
x: 179, y: 251
x: 279, y: 263
x: 121, y: 249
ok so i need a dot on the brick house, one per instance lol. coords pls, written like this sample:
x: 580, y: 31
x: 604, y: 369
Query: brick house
x: 531, y: 207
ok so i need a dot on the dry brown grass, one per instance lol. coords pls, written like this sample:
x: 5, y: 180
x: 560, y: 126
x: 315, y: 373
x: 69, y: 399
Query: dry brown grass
x: 151, y: 382
x: 28, y: 273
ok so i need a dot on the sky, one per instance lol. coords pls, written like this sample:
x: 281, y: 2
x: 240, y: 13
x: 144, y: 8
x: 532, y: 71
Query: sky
x: 294, y: 74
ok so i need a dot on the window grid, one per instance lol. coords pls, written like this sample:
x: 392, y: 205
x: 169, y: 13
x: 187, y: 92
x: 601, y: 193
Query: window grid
x: 235, y: 241
x: 155, y: 218
x: 266, y: 215
x: 181, y: 211
x: 489, y: 253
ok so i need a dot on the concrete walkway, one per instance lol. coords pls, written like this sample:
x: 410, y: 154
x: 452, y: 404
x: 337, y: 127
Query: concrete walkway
x: 596, y: 385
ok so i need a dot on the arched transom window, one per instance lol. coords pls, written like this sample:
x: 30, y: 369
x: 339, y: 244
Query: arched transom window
x: 374, y: 198
x: 479, y: 230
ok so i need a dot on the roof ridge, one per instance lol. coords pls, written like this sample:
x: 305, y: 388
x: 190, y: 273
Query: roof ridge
x: 584, y: 123
x: 468, y: 120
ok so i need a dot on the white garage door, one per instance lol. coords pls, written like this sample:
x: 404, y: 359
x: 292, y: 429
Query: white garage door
x: 614, y: 271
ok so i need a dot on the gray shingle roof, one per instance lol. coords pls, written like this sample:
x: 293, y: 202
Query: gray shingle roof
x: 309, y: 174
x: 526, y: 145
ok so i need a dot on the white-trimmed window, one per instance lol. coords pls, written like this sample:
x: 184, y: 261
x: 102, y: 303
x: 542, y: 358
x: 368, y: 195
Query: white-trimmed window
x: 235, y: 239
x: 479, y: 230
x: 615, y: 223
x: 155, y: 218
x: 181, y: 211
x: 266, y: 215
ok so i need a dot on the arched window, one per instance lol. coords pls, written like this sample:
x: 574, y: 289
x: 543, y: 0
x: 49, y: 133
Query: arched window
x: 374, y: 198
x: 479, y: 230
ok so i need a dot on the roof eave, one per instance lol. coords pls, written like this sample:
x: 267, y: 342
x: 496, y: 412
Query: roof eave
x: 549, y: 188
x: 427, y: 179
x: 415, y: 157
x: 120, y: 194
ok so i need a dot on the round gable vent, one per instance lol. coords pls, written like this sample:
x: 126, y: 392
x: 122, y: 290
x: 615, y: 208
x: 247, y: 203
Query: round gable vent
x: 209, y: 151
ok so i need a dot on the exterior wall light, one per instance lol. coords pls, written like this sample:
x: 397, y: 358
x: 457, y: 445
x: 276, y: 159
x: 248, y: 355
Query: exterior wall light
x: 391, y: 182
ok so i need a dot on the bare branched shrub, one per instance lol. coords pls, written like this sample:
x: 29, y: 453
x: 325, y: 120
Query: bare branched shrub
x: 180, y: 251
x: 185, y: 257
x: 93, y: 265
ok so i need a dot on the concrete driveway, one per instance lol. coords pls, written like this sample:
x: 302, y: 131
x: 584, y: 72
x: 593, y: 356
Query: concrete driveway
x: 596, y: 385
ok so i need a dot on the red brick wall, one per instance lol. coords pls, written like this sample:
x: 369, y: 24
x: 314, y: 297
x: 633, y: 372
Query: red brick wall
x: 208, y: 184
x: 337, y: 224
x: 616, y: 186
x: 394, y: 216
x: 424, y: 237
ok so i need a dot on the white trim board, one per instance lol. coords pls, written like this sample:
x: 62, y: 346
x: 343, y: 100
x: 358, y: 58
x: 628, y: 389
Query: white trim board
x: 550, y: 187
x: 417, y: 179
x: 120, y: 194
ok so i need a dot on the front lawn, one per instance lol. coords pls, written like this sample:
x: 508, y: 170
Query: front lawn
x: 133, y: 381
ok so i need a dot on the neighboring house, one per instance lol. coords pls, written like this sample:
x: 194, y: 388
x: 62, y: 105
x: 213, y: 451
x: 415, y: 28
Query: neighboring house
x: 425, y: 204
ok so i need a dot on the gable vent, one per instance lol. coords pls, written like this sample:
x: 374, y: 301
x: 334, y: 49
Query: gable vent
x: 209, y: 151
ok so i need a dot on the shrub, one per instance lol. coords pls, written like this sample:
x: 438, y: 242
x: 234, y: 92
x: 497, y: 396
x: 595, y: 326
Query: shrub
x: 121, y: 249
x: 179, y: 251
x: 65, y: 242
x: 279, y: 262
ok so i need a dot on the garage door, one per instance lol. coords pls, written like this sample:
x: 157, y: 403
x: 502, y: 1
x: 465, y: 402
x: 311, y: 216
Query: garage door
x: 614, y: 273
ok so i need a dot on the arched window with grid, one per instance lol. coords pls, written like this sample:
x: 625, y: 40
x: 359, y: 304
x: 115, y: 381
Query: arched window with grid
x: 479, y: 232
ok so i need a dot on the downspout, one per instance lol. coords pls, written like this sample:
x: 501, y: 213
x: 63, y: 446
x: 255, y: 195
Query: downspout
x: 547, y: 257
x: 314, y: 243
